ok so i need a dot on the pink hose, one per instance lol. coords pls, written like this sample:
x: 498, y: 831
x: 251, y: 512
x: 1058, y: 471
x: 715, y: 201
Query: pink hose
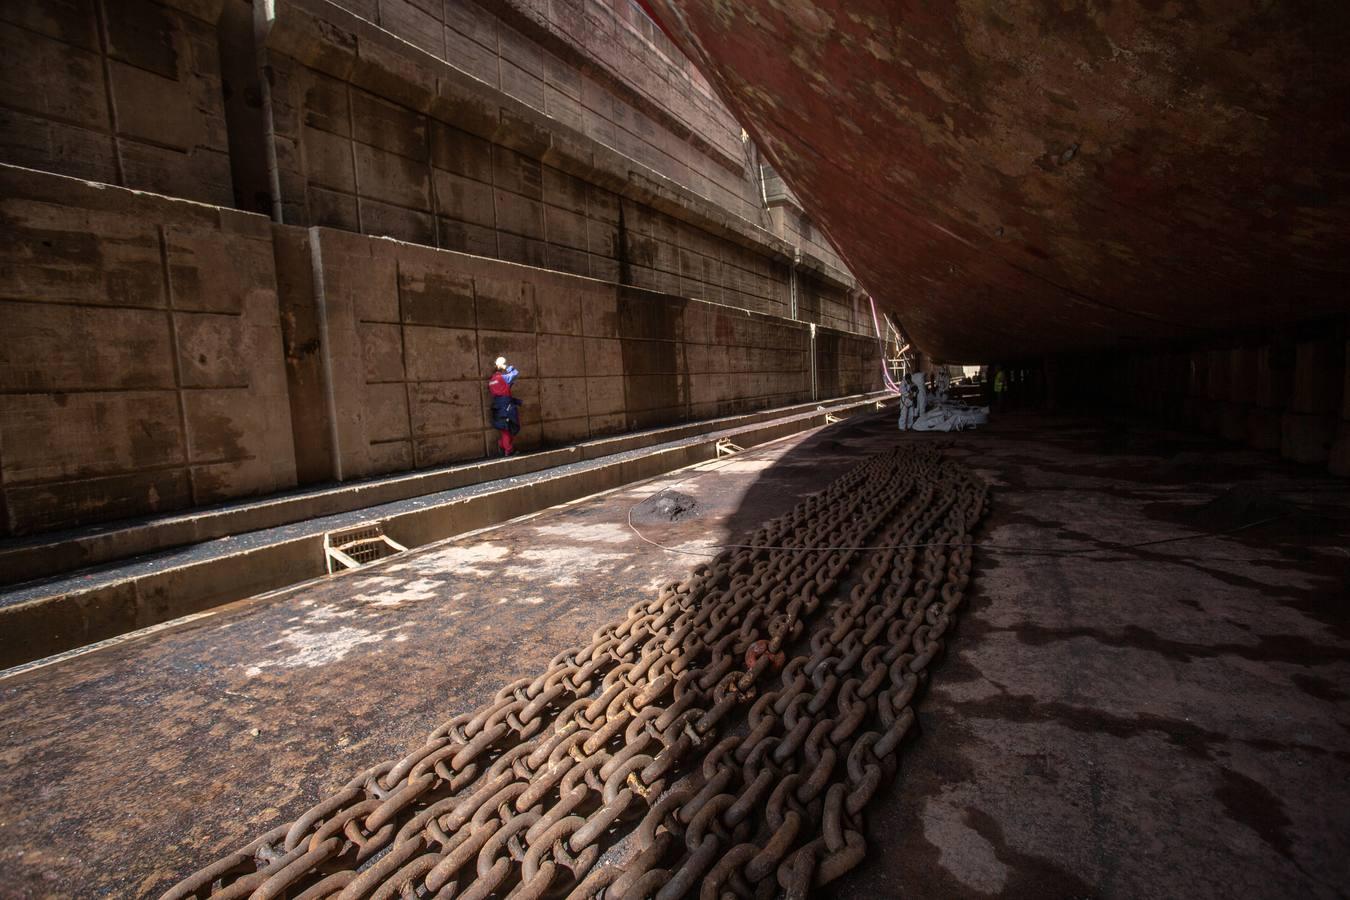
x: 881, y: 345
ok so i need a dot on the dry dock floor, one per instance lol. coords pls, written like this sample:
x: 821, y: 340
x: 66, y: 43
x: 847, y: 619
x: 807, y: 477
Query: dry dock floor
x: 1167, y: 720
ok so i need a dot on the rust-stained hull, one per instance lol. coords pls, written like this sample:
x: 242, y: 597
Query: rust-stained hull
x: 1013, y: 179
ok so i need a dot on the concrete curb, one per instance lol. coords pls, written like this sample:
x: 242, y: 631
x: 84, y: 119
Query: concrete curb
x: 150, y: 591
x: 46, y: 556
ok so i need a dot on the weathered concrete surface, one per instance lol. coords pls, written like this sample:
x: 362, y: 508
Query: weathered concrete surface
x: 55, y: 615
x: 1046, y: 176
x: 51, y: 554
x: 144, y: 368
x: 1163, y: 721
x: 125, y: 92
x: 508, y: 151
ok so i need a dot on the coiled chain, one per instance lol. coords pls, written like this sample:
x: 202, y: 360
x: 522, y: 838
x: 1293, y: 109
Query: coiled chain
x: 724, y: 739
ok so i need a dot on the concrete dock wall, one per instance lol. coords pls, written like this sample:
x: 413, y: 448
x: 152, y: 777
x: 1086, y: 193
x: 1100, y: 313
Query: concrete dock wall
x: 125, y: 92
x: 559, y: 184
x: 141, y: 368
x: 161, y: 354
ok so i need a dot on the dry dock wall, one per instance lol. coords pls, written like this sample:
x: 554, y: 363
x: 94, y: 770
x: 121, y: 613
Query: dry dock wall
x: 562, y: 185
x: 161, y: 354
x: 141, y: 361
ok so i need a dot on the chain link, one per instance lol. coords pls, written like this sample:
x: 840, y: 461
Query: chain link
x: 724, y: 738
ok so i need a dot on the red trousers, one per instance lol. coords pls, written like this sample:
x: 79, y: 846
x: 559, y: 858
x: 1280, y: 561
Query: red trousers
x: 505, y: 441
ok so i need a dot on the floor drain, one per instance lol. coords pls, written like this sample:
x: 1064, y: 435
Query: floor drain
x: 352, y: 548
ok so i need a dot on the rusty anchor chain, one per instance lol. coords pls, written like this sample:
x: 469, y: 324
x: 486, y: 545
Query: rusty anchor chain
x: 725, y: 738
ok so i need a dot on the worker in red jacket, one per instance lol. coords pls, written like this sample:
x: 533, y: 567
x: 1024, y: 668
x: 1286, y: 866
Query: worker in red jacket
x: 505, y: 418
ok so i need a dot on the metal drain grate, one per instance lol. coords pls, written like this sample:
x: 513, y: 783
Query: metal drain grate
x: 352, y: 548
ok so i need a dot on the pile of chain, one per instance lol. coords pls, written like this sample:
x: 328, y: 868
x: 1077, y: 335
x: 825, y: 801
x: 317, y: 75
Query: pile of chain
x: 665, y: 758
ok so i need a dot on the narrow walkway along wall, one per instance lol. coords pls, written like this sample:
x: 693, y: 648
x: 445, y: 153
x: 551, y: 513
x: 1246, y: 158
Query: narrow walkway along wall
x: 162, y: 354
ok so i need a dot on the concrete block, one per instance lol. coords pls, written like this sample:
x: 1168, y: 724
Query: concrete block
x: 441, y: 407
x: 473, y: 22
x: 520, y: 84
x: 389, y: 127
x: 66, y: 254
x: 524, y: 250
x: 328, y: 160
x: 386, y: 412
x: 517, y: 173
x: 447, y: 448
x: 1307, y: 438
x: 504, y: 304
x: 518, y: 215
x: 466, y: 237
x: 562, y: 398
x: 391, y: 178
x: 200, y: 174
x: 431, y: 294
x: 558, y: 306
x: 414, y: 25
x: 561, y: 356
x: 153, y: 107
x: 388, y: 220
x: 1275, y: 373
x: 330, y: 209
x: 39, y: 143
x: 566, y: 228
x: 605, y: 395
x: 225, y: 426
x: 69, y: 21
x: 460, y: 153
x: 518, y: 348
x: 464, y: 199
x: 565, y: 431
x: 444, y: 354
x: 600, y: 314
x: 50, y: 437
x: 68, y: 504
x: 214, y: 272
x: 212, y: 350
x: 566, y: 109
x: 69, y: 348
x: 381, y: 351
x: 324, y: 101
x: 564, y: 190
x: 51, y: 79
x: 566, y: 259
x: 604, y: 356
x: 369, y: 284
x: 390, y: 456
x: 469, y: 55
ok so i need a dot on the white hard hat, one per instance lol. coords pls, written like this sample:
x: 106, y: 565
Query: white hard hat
x: 499, y: 361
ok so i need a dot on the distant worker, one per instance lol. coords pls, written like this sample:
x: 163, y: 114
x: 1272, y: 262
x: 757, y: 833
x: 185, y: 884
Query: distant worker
x: 907, y: 393
x: 505, y: 418
x: 1000, y: 388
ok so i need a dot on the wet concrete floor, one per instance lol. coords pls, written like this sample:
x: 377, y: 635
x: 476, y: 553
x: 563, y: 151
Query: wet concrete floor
x: 1167, y: 720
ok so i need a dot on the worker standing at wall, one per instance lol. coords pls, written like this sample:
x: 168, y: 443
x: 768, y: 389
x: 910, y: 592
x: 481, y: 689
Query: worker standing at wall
x: 505, y: 417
